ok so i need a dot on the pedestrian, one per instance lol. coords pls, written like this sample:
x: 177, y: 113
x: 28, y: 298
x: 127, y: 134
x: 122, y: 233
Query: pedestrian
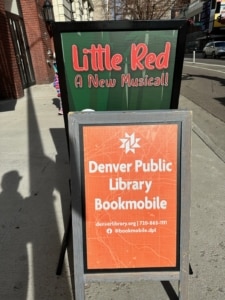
x: 57, y: 87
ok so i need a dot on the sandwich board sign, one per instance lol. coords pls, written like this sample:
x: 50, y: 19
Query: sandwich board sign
x: 130, y: 181
x: 129, y: 158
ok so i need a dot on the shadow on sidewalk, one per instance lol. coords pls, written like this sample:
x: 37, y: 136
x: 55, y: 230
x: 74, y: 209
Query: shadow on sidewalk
x: 7, y: 105
x: 31, y: 234
x: 49, y: 178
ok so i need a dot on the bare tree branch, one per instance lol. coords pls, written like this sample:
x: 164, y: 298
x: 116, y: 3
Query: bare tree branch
x: 144, y: 9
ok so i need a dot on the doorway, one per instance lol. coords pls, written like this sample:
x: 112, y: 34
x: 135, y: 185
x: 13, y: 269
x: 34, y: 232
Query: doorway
x: 22, y: 51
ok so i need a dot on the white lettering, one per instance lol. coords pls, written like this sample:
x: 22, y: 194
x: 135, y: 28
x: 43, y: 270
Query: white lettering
x: 121, y: 185
x: 120, y: 204
x: 153, y: 166
x: 160, y: 165
x: 94, y: 167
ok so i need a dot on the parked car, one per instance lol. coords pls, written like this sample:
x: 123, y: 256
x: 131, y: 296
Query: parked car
x: 214, y: 49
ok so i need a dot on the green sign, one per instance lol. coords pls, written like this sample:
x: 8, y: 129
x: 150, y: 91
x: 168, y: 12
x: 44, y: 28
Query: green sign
x: 103, y: 68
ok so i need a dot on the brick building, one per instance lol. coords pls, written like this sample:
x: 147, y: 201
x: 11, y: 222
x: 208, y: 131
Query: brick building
x: 26, y: 42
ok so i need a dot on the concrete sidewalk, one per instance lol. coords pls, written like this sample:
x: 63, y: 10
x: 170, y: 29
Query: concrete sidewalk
x: 34, y: 208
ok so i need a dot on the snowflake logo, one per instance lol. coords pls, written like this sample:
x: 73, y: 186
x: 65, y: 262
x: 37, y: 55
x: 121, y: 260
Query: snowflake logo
x: 130, y: 143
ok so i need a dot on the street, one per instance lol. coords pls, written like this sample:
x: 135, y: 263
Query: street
x: 203, y: 83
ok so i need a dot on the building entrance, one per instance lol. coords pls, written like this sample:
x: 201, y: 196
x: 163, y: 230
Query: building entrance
x: 21, y: 49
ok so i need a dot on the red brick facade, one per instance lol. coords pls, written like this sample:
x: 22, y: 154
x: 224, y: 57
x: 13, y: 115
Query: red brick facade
x: 10, y: 83
x: 39, y: 41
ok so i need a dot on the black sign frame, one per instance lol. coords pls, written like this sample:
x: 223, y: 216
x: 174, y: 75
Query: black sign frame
x: 61, y: 28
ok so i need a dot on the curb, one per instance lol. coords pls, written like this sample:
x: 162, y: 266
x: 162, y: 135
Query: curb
x: 204, y: 137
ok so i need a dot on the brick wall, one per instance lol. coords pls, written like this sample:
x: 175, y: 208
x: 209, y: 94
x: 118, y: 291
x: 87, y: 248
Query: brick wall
x: 10, y: 83
x: 39, y: 39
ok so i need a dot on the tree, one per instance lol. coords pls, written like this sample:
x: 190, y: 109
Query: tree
x: 143, y: 9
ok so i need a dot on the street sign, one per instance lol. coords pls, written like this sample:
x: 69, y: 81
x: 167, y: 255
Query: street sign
x: 205, y: 15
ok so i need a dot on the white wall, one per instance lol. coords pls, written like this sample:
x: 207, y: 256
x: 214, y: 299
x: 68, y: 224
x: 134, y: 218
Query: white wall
x: 63, y: 9
x: 11, y: 6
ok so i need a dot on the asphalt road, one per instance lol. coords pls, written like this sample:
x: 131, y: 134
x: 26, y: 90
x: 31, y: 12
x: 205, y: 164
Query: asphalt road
x: 203, y: 82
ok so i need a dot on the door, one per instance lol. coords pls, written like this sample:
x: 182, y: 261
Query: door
x: 21, y: 49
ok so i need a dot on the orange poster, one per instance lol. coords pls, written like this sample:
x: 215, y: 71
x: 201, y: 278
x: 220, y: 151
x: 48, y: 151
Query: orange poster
x: 131, y: 196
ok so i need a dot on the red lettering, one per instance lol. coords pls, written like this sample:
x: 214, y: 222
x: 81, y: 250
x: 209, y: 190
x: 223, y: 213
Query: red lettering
x: 162, y: 61
x: 116, y: 61
x: 149, y: 60
x: 99, y: 57
x: 94, y: 58
x: 107, y: 58
x: 142, y: 59
x: 75, y: 61
x: 137, y: 54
